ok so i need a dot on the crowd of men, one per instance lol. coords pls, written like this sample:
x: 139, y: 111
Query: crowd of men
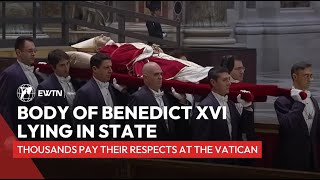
x: 298, y: 118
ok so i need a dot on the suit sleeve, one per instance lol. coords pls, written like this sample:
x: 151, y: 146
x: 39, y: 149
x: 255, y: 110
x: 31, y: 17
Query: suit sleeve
x: 80, y: 99
x: 6, y: 104
x: 200, y: 127
x: 289, y: 117
x: 247, y: 124
x: 155, y: 31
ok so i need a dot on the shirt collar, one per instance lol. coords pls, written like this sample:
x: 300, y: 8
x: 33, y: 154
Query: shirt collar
x: 25, y: 67
x: 220, y: 98
x: 101, y: 84
x: 63, y: 79
x: 306, y: 91
x: 157, y: 94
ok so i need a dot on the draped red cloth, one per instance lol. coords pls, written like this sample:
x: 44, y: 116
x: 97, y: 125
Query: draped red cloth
x: 259, y: 92
x: 128, y: 60
x: 123, y: 60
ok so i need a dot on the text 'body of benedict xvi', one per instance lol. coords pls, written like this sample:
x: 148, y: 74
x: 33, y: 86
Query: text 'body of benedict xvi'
x: 101, y: 130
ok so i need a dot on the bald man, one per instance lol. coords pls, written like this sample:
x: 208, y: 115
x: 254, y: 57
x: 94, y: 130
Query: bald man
x: 152, y: 95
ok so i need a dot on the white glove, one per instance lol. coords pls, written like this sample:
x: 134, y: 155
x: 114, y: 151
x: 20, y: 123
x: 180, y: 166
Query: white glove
x: 164, y: 34
x: 117, y: 86
x: 295, y: 94
x: 181, y: 97
x: 243, y: 102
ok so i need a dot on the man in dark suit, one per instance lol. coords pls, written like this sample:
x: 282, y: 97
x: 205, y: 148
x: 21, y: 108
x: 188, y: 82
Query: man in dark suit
x: 151, y: 95
x: 229, y: 129
x: 19, y: 73
x: 154, y: 28
x: 299, y: 123
x: 59, y: 80
x: 99, y: 92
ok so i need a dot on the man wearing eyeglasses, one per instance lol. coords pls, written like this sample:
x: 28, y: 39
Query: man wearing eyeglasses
x: 21, y: 72
x: 235, y: 66
x: 299, y: 123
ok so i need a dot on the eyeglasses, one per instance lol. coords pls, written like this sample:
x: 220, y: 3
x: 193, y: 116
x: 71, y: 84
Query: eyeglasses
x: 240, y: 69
x: 30, y: 51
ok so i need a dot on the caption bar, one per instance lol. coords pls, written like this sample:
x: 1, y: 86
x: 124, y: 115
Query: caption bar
x: 137, y: 149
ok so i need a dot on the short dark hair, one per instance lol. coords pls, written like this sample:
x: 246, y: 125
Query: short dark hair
x: 57, y: 55
x: 228, y: 61
x: 19, y: 44
x: 214, y: 73
x: 97, y: 59
x: 299, y: 66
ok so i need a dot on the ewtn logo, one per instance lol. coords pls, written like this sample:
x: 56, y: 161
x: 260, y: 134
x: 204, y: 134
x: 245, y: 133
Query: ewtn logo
x: 26, y: 93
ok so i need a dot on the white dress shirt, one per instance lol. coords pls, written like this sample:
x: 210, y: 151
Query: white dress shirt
x: 28, y: 71
x: 158, y: 96
x: 67, y: 88
x: 223, y: 101
x: 308, y: 112
x: 103, y: 86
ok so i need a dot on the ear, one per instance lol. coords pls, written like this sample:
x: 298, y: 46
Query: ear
x: 18, y: 52
x: 212, y: 82
x: 94, y: 68
x: 294, y: 76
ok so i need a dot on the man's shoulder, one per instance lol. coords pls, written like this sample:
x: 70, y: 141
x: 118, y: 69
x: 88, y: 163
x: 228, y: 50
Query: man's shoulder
x: 11, y: 70
x: 86, y: 88
x: 139, y: 93
x: 208, y: 100
x: 47, y: 84
x: 283, y: 99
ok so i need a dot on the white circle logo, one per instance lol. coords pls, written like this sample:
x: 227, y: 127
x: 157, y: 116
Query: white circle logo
x: 25, y: 93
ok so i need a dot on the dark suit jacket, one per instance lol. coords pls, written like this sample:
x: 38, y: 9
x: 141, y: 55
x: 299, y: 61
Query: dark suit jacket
x: 154, y: 30
x: 90, y: 95
x: 217, y: 129
x: 52, y: 83
x: 10, y: 79
x: 144, y: 97
x: 297, y: 149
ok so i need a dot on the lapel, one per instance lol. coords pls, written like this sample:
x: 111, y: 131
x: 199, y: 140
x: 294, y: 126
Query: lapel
x: 304, y: 124
x: 56, y: 84
x: 113, y: 95
x: 150, y: 97
x: 96, y: 91
x: 234, y: 123
x: 315, y: 118
x: 153, y: 102
x: 216, y: 104
x: 21, y: 74
x: 75, y: 84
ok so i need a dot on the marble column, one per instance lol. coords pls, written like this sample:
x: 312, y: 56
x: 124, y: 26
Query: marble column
x: 207, y: 25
